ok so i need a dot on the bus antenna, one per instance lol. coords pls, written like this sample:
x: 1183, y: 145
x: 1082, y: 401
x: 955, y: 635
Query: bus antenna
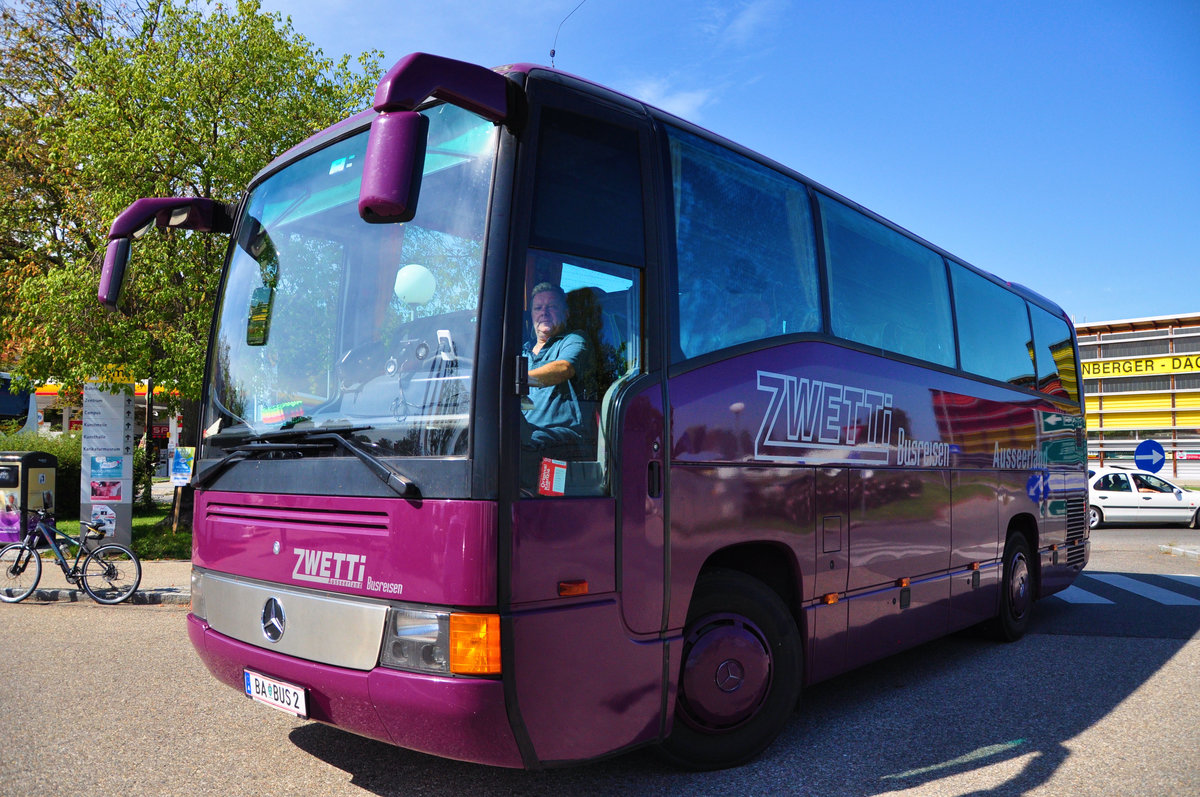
x: 568, y: 16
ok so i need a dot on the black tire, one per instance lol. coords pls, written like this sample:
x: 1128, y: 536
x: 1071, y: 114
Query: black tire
x: 111, y: 573
x: 1018, y: 590
x: 740, y: 676
x: 1095, y: 517
x: 20, y: 571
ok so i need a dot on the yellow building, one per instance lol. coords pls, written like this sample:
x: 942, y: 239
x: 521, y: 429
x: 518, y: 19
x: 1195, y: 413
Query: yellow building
x: 1141, y: 380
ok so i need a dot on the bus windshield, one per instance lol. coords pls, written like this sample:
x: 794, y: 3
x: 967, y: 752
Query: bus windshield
x: 328, y: 322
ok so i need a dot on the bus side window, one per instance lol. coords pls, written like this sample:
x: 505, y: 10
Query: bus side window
x: 602, y: 303
x: 588, y: 199
x: 993, y: 329
x: 744, y: 250
x: 885, y: 290
x: 1055, y: 355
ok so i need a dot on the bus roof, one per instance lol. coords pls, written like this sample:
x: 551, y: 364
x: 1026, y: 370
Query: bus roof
x: 362, y: 118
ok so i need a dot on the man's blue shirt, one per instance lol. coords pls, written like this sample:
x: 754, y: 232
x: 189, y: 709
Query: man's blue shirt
x: 556, y: 416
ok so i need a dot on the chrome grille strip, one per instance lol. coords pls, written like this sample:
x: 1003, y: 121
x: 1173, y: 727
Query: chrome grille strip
x: 336, y: 630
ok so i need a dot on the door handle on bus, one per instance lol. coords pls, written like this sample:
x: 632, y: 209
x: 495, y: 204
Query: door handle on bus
x: 654, y: 479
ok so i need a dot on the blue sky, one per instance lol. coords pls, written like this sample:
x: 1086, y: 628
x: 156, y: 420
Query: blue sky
x: 1055, y: 144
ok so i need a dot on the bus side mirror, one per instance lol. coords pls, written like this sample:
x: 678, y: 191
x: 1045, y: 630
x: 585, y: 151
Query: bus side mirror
x: 395, y: 159
x: 185, y: 213
x: 395, y: 155
x: 112, y: 277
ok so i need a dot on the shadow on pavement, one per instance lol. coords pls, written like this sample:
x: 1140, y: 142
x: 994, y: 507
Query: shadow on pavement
x: 945, y: 708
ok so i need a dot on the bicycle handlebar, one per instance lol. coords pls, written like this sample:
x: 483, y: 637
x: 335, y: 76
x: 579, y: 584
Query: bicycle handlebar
x: 95, y: 530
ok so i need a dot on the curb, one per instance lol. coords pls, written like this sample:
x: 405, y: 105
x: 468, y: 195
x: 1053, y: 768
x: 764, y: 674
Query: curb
x: 1175, y: 550
x: 150, y: 597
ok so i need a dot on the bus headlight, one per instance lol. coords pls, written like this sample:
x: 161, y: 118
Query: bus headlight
x: 417, y: 640
x: 198, y: 608
x: 462, y: 643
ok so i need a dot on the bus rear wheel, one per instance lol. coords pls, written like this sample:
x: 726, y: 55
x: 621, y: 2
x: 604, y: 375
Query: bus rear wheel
x: 739, y: 680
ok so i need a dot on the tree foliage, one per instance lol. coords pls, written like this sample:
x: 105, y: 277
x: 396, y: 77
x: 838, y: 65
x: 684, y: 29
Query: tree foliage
x: 104, y: 104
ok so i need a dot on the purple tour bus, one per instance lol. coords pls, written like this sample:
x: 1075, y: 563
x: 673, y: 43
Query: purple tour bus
x: 784, y: 437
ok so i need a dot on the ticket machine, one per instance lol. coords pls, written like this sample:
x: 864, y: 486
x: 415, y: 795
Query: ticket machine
x: 26, y: 482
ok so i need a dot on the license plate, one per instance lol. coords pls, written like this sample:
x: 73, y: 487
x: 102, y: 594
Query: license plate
x: 276, y: 694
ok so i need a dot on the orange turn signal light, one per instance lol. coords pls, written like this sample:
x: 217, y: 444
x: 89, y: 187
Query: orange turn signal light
x: 475, y: 644
x: 578, y: 586
x: 829, y: 599
x: 902, y: 582
x: 973, y: 566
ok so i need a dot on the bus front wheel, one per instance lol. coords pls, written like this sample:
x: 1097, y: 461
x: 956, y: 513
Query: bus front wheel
x: 739, y: 680
x: 1018, y: 590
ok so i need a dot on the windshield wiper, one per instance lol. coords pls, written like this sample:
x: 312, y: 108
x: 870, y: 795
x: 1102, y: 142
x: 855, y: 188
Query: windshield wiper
x: 396, y: 481
x: 247, y: 451
x: 313, y: 438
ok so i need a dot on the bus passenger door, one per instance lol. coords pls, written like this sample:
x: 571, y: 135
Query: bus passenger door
x: 586, y: 562
x: 641, y: 477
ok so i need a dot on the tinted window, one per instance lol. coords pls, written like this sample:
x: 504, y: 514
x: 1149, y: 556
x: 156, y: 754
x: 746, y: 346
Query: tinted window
x: 566, y: 425
x: 1055, y: 353
x: 993, y: 329
x: 1113, y: 482
x: 885, y: 290
x: 745, y: 253
x: 589, y: 191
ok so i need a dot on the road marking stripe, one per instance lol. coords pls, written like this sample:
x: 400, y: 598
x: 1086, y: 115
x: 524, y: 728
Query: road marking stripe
x: 1074, y: 594
x: 1191, y: 581
x: 1156, y: 594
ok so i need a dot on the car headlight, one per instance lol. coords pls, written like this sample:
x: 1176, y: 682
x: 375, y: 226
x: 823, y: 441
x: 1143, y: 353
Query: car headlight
x: 462, y: 643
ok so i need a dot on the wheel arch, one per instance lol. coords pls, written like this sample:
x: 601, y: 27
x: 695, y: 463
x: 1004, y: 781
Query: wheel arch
x: 771, y: 563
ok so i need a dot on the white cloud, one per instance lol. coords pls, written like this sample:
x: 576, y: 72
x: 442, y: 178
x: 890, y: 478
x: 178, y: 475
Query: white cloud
x: 739, y: 26
x: 734, y: 32
x: 660, y: 93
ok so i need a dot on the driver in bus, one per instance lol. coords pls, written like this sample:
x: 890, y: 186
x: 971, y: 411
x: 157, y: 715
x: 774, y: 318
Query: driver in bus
x: 555, y: 425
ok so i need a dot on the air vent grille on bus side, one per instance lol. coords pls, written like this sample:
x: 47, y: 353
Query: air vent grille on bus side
x: 341, y: 519
x: 1077, y: 506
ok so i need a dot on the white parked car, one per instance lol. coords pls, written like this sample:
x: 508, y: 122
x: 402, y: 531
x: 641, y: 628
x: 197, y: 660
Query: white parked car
x: 1127, y: 495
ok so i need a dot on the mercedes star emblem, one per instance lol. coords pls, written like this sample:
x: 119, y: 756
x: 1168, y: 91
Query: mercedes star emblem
x: 273, y: 620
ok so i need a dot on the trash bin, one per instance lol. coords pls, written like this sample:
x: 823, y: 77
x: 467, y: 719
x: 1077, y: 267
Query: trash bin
x: 26, y: 483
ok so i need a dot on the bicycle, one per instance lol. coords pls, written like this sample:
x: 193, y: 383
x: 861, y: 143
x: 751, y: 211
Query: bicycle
x: 110, y: 572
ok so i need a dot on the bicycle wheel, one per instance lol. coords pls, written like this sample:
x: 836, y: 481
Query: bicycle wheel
x: 111, y: 573
x: 20, y: 571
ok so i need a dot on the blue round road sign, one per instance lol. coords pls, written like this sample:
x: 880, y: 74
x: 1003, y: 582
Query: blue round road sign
x: 1149, y: 455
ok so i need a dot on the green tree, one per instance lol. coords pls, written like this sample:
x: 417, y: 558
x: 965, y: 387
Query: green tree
x: 171, y: 98
x: 38, y: 39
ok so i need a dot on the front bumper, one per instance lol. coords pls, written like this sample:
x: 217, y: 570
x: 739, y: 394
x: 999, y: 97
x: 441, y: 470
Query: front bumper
x: 459, y: 718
